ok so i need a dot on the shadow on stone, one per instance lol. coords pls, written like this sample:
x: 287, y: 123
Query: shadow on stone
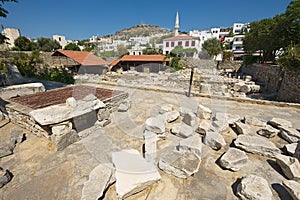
x: 235, y: 185
x: 232, y: 145
x: 276, y: 167
x: 281, y: 191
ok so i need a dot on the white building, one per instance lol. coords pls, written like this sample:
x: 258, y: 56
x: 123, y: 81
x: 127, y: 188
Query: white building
x: 61, y: 40
x: 12, y: 34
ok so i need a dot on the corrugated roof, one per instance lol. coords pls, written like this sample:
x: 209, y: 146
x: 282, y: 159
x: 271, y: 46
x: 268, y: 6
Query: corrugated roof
x: 82, y: 57
x: 182, y: 37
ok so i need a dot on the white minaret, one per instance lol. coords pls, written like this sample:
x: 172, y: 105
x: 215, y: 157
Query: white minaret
x: 176, y: 27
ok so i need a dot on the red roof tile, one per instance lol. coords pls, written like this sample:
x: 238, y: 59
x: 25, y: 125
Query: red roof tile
x: 182, y: 37
x: 82, y: 57
x: 114, y: 62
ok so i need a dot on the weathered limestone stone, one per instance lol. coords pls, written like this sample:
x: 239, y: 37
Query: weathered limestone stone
x: 290, y: 148
x: 17, y: 136
x: 237, y: 86
x: 182, y: 130
x: 124, y: 106
x: 156, y: 124
x: 62, y: 136
x: 103, y: 123
x: 214, y: 140
x: 59, y: 113
x: 233, y: 118
x: 193, y: 144
x: 234, y: 159
x: 172, y: 116
x: 150, y: 140
x: 289, y: 134
x: 189, y: 119
x: 103, y: 114
x: 290, y: 166
x: 204, y: 112
x: 268, y: 131
x: 297, y: 151
x: 293, y: 188
x: 204, y: 127
x: 100, y: 178
x: 248, y: 78
x: 257, y: 145
x: 219, y: 125
x: 5, y: 177
x: 220, y: 116
x: 71, y: 102
x: 276, y: 122
x: 244, y: 129
x: 133, y: 173
x: 205, y: 88
x: 250, y: 88
x: 21, y: 90
x: 184, y: 110
x: 166, y: 108
x: 6, y: 148
x: 254, y: 188
x: 254, y: 121
x: 181, y: 165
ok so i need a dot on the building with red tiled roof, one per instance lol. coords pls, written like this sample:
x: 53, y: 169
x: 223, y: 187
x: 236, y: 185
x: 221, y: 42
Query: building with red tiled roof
x: 141, y: 63
x: 86, y: 61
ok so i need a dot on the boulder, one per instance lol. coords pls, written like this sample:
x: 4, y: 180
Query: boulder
x: 268, y: 131
x: 257, y: 145
x: 290, y: 149
x: 5, y: 177
x: 133, y: 173
x: 290, y: 166
x: 255, y: 188
x: 289, y: 134
x: 214, y: 140
x: 172, y: 116
x: 182, y: 130
x: 244, y: 129
x: 193, y: 144
x: 276, y: 122
x: 204, y: 112
x: 150, y: 145
x: 100, y: 178
x: 254, y: 121
x: 233, y: 159
x: 204, y: 127
x: 156, y: 124
x: 189, y: 119
x: 181, y: 165
x: 293, y: 188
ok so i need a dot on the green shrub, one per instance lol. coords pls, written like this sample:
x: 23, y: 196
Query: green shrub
x: 249, y: 59
x: 291, y: 58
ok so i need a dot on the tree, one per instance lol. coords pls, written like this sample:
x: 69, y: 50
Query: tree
x: 3, y: 13
x: 23, y: 44
x: 149, y: 51
x: 72, y: 46
x: 180, y: 51
x: 121, y: 49
x: 213, y: 46
x: 47, y: 44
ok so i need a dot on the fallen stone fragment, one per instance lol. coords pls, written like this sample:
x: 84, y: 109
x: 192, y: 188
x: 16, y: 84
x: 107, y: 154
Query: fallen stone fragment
x: 172, y: 116
x: 254, y: 121
x: 204, y: 112
x: 289, y: 134
x: 193, y: 144
x: 205, y: 88
x: 150, y: 141
x: 268, y: 131
x: 204, y: 127
x: 234, y: 159
x: 133, y: 173
x: 103, y: 114
x: 297, y: 152
x: 220, y: 116
x: 254, y: 188
x: 71, y: 102
x: 184, y: 110
x: 17, y: 136
x: 214, y: 140
x: 290, y: 148
x: 166, y: 108
x: 6, y: 148
x: 181, y: 165
x: 219, y: 125
x: 124, y: 106
x: 189, y: 119
x: 276, y: 122
x: 5, y: 177
x: 257, y: 145
x: 156, y: 124
x: 242, y: 128
x: 62, y: 139
x: 100, y: 178
x: 182, y: 130
x: 293, y: 188
x: 233, y: 118
x: 290, y: 166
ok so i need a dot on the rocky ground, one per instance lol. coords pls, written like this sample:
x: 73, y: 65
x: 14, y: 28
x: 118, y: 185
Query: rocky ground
x: 40, y: 172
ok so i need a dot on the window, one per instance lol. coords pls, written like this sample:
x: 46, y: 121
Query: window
x: 167, y: 44
x: 59, y: 39
x: 193, y: 43
x: 187, y: 43
x: 179, y: 43
x: 172, y: 44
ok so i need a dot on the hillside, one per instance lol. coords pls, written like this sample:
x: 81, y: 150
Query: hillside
x: 139, y: 30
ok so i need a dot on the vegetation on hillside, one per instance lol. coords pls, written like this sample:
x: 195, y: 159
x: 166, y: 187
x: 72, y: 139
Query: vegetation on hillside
x: 72, y: 46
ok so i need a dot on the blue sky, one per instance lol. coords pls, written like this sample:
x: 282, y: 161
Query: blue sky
x: 82, y: 19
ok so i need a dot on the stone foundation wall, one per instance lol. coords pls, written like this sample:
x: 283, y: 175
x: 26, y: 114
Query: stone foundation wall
x: 285, y: 85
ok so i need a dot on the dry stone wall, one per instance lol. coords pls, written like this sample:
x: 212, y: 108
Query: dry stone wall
x: 285, y: 85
